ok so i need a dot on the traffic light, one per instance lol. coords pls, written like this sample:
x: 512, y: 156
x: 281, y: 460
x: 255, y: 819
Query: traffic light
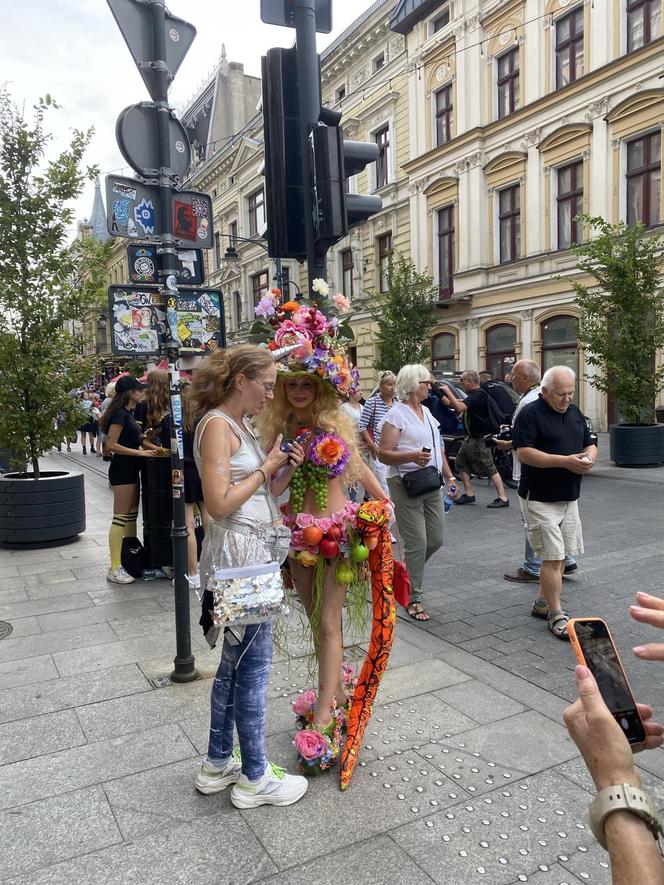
x: 334, y: 161
x: 284, y: 188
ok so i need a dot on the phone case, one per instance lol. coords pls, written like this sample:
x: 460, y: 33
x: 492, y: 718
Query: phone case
x: 578, y: 653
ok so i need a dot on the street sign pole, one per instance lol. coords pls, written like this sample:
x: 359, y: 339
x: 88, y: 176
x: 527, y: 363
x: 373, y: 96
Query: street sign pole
x: 309, y: 105
x: 184, y: 669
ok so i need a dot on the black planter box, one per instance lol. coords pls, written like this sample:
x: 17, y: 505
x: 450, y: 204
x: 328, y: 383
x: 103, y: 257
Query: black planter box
x: 49, y: 510
x: 636, y: 445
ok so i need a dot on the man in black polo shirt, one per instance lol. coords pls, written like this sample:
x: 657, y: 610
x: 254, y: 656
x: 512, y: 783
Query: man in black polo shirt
x: 474, y: 456
x: 555, y: 451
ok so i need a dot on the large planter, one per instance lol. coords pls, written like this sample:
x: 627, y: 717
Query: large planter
x: 50, y: 510
x: 636, y: 445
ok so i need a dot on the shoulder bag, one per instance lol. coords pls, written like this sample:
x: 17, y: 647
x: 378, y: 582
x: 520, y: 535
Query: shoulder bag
x: 426, y: 479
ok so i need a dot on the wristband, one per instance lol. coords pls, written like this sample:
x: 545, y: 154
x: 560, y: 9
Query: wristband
x: 622, y: 797
x: 263, y: 473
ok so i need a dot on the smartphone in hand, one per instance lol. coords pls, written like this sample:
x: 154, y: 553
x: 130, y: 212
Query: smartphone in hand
x: 594, y: 648
x: 425, y: 449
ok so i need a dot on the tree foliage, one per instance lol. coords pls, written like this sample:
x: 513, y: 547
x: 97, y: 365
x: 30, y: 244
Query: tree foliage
x: 45, y: 284
x: 621, y: 325
x: 405, y: 315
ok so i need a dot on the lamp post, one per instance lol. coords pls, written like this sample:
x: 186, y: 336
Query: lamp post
x: 232, y: 255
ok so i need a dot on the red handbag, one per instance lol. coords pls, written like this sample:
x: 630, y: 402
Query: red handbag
x: 401, y: 584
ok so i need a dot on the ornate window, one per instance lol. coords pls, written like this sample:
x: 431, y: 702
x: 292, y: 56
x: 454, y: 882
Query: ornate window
x: 445, y: 252
x: 347, y: 273
x: 509, y: 223
x: 644, y: 179
x: 256, y: 212
x: 644, y: 22
x: 508, y: 83
x: 260, y: 283
x: 441, y: 21
x: 237, y: 295
x: 444, y: 110
x: 569, y: 47
x: 382, y: 139
x: 570, y: 204
x: 443, y: 354
x: 384, y: 255
x: 500, y: 349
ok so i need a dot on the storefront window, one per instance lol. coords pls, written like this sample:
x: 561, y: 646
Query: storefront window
x: 443, y: 348
x: 560, y: 346
x: 500, y: 353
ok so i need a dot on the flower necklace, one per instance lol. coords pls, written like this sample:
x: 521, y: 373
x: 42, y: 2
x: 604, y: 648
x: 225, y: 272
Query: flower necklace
x: 327, y: 456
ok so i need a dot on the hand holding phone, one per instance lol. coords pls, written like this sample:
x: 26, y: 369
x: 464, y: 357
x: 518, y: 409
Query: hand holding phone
x: 594, y: 648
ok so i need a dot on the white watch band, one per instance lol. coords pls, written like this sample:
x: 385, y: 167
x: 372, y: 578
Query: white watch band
x: 622, y: 797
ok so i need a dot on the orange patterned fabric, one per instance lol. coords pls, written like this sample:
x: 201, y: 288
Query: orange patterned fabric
x: 372, y: 518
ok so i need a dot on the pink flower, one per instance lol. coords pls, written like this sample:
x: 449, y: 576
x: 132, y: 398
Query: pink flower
x: 341, y: 302
x: 324, y: 524
x: 289, y: 333
x: 310, y: 745
x: 304, y: 702
x: 302, y: 520
x: 297, y: 540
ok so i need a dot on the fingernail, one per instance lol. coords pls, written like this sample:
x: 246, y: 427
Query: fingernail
x: 639, y: 650
x: 581, y: 672
x: 636, y: 608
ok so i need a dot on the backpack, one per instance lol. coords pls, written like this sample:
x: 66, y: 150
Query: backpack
x: 496, y: 416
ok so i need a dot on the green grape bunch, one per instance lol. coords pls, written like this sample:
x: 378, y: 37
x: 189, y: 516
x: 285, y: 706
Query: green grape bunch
x: 308, y: 476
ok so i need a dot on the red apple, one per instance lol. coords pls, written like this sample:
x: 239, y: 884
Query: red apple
x: 329, y: 548
x: 335, y: 533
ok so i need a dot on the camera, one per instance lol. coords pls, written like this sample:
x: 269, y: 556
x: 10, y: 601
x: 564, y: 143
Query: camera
x: 490, y: 438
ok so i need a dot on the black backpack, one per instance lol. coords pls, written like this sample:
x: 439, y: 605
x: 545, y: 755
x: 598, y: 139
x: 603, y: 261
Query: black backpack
x: 496, y: 415
x: 133, y: 557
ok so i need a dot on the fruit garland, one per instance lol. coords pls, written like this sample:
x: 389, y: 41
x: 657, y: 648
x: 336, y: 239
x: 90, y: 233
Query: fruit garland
x: 327, y: 456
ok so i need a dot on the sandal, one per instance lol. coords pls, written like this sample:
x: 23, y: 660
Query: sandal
x: 417, y: 612
x: 558, y: 625
x: 540, y: 611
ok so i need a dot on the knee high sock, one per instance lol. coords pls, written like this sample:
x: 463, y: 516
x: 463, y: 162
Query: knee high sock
x: 115, y: 536
x: 130, y: 524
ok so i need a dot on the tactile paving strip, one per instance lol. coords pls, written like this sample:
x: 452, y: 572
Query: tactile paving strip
x: 508, y: 836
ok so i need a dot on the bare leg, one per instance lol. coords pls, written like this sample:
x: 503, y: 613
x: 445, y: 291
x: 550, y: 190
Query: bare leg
x: 551, y: 582
x: 331, y: 650
x: 497, y: 481
x: 467, y: 484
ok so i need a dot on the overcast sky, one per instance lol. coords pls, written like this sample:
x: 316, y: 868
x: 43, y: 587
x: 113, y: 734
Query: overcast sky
x: 73, y: 50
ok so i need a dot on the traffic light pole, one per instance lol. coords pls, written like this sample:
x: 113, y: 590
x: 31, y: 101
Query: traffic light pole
x: 184, y: 665
x: 309, y: 107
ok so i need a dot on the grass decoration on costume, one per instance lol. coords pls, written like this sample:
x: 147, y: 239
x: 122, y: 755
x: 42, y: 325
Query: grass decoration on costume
x: 373, y: 521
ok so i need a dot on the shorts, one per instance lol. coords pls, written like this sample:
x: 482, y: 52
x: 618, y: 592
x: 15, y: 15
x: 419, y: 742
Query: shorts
x: 124, y: 470
x: 553, y: 528
x: 193, y: 488
x: 475, y: 457
x: 90, y: 427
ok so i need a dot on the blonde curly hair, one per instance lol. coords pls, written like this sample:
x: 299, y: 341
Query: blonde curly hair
x: 277, y: 417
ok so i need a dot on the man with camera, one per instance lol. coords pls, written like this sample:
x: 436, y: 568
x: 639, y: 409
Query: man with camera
x: 526, y: 378
x: 555, y: 450
x: 480, y: 416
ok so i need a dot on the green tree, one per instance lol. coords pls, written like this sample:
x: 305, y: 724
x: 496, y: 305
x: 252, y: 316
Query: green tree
x: 405, y: 315
x: 621, y: 326
x: 45, y: 284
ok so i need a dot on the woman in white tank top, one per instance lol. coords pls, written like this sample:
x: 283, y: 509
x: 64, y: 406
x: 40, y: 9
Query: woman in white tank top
x: 243, y: 530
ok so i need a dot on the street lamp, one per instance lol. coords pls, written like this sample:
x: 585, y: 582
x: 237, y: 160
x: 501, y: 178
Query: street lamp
x: 231, y: 255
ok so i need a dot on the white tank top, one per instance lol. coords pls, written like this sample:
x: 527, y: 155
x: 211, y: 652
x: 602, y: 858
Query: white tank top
x: 248, y: 458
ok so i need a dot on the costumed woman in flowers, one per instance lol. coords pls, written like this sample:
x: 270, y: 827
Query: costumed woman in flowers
x: 327, y: 559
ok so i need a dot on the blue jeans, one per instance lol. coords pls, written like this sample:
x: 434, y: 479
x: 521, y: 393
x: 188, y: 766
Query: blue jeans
x: 532, y: 564
x: 239, y: 697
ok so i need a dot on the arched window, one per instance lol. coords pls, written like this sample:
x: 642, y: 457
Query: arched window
x: 443, y: 349
x: 559, y: 344
x: 500, y: 354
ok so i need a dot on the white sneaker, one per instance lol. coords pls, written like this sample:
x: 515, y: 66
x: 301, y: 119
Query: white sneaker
x: 213, y: 780
x: 194, y: 582
x: 119, y: 576
x: 276, y: 787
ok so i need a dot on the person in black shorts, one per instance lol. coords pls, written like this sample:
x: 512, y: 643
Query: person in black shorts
x: 124, y: 440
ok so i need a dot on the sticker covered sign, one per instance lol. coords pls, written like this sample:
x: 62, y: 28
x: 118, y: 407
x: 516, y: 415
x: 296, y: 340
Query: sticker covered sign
x: 200, y: 320
x: 138, y: 318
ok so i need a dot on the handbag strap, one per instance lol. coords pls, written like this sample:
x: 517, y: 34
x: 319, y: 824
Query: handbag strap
x: 433, y: 443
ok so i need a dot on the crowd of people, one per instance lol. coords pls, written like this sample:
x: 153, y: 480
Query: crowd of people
x: 280, y: 452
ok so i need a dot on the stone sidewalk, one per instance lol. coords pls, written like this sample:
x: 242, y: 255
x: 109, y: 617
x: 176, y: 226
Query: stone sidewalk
x: 466, y: 774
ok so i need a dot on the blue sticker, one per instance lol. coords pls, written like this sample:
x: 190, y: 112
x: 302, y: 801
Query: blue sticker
x: 121, y: 211
x: 144, y: 215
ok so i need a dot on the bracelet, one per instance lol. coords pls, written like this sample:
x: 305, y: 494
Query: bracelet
x: 260, y: 470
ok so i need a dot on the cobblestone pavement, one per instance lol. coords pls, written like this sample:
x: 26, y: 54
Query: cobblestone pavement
x: 466, y: 773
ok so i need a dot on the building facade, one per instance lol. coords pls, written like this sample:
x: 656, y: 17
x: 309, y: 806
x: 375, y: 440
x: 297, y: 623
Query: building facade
x: 523, y: 115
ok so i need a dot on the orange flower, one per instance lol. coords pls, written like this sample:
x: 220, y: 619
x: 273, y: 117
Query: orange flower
x: 291, y: 305
x: 329, y: 451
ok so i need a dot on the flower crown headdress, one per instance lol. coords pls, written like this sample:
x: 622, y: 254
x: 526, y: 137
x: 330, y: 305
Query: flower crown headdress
x: 317, y: 341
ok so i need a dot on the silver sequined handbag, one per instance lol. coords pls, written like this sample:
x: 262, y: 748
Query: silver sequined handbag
x: 248, y: 595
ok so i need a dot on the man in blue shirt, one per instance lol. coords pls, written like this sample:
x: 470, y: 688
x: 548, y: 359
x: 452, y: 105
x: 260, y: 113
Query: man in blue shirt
x: 555, y: 451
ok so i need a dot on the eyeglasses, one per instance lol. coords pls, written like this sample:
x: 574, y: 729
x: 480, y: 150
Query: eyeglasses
x: 268, y: 388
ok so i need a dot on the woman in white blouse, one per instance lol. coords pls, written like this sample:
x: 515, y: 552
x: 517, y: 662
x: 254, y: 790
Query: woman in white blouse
x: 410, y: 439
